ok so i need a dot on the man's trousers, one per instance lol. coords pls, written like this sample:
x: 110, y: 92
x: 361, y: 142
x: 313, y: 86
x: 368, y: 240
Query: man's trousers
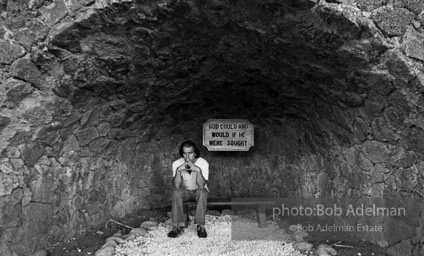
x: 181, y: 195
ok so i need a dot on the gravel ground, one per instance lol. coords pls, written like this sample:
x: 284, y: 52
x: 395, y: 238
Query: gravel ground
x: 227, y: 235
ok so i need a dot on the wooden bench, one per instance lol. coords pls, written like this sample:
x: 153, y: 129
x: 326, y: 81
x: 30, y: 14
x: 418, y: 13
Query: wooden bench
x: 260, y: 206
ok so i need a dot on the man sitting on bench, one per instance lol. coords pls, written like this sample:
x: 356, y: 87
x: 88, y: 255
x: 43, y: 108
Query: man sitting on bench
x: 190, y: 174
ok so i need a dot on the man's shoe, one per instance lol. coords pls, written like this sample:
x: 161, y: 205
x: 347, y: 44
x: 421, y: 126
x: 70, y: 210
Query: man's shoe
x: 176, y: 232
x: 201, y: 231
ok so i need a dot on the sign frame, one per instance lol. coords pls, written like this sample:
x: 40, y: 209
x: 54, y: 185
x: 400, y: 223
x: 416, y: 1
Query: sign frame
x: 231, y: 134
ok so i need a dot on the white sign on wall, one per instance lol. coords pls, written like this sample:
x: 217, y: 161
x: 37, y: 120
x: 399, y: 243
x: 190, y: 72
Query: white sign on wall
x: 228, y: 135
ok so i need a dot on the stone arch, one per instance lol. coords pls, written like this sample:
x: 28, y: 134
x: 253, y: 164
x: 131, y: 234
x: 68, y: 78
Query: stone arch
x: 97, y: 95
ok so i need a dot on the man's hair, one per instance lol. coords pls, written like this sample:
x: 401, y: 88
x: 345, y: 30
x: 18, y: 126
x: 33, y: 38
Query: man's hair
x: 187, y: 144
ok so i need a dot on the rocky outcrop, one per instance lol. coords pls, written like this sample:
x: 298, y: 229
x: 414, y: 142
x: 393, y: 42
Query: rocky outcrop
x: 97, y: 95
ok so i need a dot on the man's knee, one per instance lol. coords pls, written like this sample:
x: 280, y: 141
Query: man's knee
x: 202, y: 192
x: 177, y: 193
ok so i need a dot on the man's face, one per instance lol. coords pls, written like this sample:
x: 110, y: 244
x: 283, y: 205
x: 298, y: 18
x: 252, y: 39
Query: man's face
x: 188, y: 153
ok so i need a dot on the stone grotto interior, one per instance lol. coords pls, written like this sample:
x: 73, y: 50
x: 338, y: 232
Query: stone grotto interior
x: 97, y: 95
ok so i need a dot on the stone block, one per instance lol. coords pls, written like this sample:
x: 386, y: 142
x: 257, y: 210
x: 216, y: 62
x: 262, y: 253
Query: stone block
x: 323, y: 183
x: 325, y: 250
x: 106, y: 251
x: 55, y: 11
x: 396, y: 230
x: 414, y: 138
x: 104, y: 129
x: 381, y: 132
x: 19, y: 138
x: 392, y: 21
x: 403, y: 248
x: 298, y: 238
x: 117, y: 234
x: 377, y: 190
x: 38, y: 220
x: 37, y: 116
x: 41, y: 186
x: 377, y: 173
x: 365, y: 163
x: 407, y: 179
x: 301, y: 234
x: 285, y: 225
x: 10, y: 213
x: 35, y: 30
x: 86, y: 2
x: 355, y: 178
x: 414, y: 44
x: 379, y: 81
x: 138, y: 232
x: 10, y: 51
x: 402, y: 158
x: 117, y: 240
x: 91, y: 117
x: 418, y: 251
x: 399, y: 67
x: 87, y: 135
x: 75, y: 116
x: 367, y: 5
x: 110, y: 243
x: 31, y: 153
x: 99, y: 145
x: 8, y: 182
x: 303, y: 246
x: 26, y: 70
x: 61, y: 108
x: 4, y: 122
x: 376, y: 151
x: 351, y: 155
x: 416, y: 6
x: 117, y: 119
x: 17, y: 90
x: 6, y: 166
x: 342, y: 118
x: 48, y: 135
x: 149, y: 225
x: 60, y: 35
x: 375, y: 103
x: 360, y: 129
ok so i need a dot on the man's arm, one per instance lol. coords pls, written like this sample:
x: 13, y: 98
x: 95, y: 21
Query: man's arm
x: 200, y: 180
x: 177, y: 179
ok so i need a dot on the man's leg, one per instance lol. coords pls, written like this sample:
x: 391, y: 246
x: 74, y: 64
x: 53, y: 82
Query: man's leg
x: 202, y: 199
x: 178, y: 196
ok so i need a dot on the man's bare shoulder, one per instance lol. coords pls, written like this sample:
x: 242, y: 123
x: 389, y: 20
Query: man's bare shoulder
x: 202, y: 160
x: 179, y: 161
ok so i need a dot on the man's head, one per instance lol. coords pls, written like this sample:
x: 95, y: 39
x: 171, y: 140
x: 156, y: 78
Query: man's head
x: 189, y: 150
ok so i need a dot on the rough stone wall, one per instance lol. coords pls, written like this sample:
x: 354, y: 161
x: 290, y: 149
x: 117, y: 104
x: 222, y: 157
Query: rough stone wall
x: 56, y: 175
x: 95, y: 99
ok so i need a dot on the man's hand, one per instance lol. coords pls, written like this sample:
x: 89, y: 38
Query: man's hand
x: 192, y: 166
x: 182, y: 167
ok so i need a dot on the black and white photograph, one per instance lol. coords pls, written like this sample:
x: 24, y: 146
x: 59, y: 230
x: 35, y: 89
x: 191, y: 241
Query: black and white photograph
x: 212, y: 127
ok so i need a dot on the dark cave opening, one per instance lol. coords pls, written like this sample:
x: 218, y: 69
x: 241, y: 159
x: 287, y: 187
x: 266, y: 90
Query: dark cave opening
x: 336, y: 105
